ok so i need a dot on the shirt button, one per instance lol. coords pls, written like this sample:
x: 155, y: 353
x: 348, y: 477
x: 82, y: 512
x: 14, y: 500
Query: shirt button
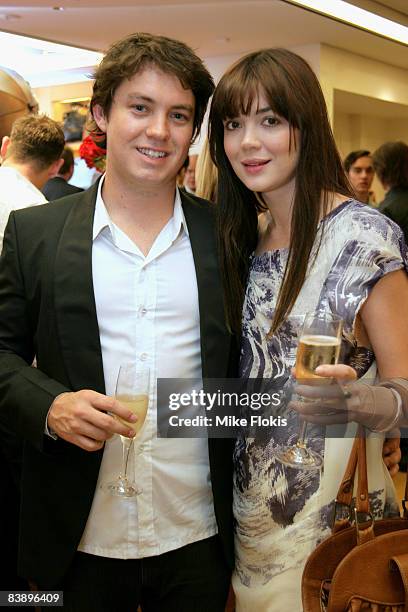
x: 143, y: 356
x: 143, y: 311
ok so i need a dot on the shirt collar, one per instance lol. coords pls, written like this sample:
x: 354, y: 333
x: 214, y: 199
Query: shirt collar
x: 102, y: 219
x: 16, y: 175
x: 178, y: 215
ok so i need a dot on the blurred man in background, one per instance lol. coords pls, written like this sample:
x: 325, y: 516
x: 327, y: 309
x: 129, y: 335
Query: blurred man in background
x: 391, y: 165
x: 31, y: 155
x: 58, y: 186
x: 189, y: 178
x: 360, y: 172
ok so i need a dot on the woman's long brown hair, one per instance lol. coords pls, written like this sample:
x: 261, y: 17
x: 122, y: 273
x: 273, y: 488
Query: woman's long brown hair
x: 293, y: 92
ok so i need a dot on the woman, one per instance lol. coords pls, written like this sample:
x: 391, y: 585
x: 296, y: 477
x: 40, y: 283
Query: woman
x: 313, y: 248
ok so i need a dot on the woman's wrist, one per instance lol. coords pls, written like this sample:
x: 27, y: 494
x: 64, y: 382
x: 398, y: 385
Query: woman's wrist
x: 379, y: 408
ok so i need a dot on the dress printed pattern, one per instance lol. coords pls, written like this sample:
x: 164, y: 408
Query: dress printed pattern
x: 282, y: 513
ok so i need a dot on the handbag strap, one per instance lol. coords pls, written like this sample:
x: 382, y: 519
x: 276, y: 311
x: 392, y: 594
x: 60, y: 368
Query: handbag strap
x: 364, y: 520
x: 345, y: 493
x: 362, y: 499
x: 405, y: 500
x: 358, y: 459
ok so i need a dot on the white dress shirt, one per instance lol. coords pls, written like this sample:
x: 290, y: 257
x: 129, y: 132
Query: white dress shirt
x: 147, y: 308
x: 15, y: 192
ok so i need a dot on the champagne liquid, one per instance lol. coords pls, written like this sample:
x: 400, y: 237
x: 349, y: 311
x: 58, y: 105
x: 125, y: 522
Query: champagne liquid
x: 315, y: 350
x: 137, y: 404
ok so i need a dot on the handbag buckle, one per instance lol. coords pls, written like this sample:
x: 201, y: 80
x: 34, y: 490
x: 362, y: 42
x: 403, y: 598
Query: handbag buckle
x: 364, y: 522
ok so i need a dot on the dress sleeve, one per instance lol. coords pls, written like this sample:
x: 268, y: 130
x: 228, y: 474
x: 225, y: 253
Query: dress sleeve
x: 373, y: 247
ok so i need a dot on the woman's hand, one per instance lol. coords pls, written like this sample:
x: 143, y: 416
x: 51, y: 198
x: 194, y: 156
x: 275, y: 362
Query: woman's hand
x: 325, y: 404
x: 329, y: 406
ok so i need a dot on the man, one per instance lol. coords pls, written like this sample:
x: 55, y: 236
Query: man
x: 391, y: 165
x: 125, y: 271
x: 58, y: 186
x: 189, y: 178
x: 31, y: 155
x: 360, y: 172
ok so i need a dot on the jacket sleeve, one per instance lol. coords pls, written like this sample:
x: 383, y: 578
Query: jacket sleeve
x: 26, y: 393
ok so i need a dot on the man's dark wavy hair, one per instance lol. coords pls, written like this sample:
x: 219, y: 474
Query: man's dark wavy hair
x: 390, y: 162
x: 132, y: 54
x: 353, y: 157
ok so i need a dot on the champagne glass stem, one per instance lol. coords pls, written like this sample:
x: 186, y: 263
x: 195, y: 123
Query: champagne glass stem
x: 302, y: 435
x: 126, y: 448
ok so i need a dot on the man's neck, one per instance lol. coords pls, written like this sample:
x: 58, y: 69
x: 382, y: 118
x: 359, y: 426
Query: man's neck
x: 31, y: 174
x: 138, y: 210
x: 363, y: 196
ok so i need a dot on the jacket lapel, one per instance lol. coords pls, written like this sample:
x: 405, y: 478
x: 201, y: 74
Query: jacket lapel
x: 74, y: 297
x: 75, y: 301
x: 215, y: 339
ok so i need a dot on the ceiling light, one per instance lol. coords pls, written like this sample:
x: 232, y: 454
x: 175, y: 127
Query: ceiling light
x: 73, y: 100
x: 355, y: 16
x: 43, y: 63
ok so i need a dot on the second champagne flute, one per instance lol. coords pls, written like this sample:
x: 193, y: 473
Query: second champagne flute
x: 132, y: 390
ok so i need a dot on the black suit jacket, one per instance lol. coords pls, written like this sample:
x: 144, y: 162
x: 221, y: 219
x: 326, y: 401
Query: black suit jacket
x: 395, y: 206
x: 58, y: 187
x: 47, y: 310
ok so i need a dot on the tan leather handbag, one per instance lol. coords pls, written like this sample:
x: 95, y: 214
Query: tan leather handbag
x: 364, y: 565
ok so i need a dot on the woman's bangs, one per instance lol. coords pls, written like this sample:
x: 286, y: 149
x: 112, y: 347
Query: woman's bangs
x: 239, y: 89
x: 235, y: 94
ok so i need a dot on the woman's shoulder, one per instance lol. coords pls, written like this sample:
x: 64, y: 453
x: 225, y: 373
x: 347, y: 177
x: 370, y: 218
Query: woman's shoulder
x: 357, y: 221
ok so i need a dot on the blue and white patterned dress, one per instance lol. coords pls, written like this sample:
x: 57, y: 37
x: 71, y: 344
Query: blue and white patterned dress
x: 282, y: 513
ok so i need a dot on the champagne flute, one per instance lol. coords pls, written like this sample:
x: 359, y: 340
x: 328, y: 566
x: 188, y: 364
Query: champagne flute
x: 132, y: 390
x: 319, y: 343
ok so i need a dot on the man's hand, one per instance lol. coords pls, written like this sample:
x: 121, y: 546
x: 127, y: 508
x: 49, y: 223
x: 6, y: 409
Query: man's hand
x: 392, y: 454
x: 81, y: 418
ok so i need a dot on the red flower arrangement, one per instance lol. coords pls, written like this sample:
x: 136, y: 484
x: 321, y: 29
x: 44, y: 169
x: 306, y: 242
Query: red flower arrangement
x: 94, y: 156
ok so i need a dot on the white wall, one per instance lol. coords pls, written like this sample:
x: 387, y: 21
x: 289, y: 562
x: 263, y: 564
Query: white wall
x: 47, y: 95
x: 347, y: 71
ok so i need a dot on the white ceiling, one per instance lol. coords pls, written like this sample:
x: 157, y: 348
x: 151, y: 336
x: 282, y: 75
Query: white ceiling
x: 213, y: 28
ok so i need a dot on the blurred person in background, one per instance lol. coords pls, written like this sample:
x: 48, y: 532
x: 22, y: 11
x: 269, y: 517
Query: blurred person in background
x: 182, y: 173
x: 189, y: 179
x: 391, y: 165
x: 31, y: 155
x: 206, y: 175
x: 58, y: 186
x: 360, y: 172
